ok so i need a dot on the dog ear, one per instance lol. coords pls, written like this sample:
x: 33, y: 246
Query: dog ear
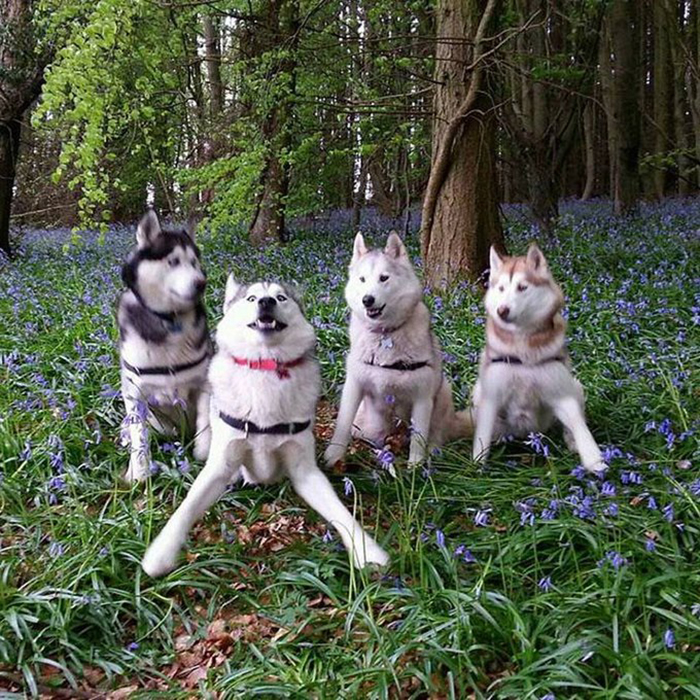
x: 296, y: 292
x: 232, y: 289
x: 394, y: 246
x: 148, y: 229
x: 535, y: 259
x: 359, y: 248
x: 495, y: 260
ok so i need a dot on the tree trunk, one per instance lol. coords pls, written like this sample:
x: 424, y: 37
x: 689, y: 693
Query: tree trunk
x: 663, y: 90
x: 624, y: 21
x: 212, y: 52
x: 460, y: 217
x: 9, y: 149
x: 21, y: 78
x: 589, y: 137
x: 282, y: 19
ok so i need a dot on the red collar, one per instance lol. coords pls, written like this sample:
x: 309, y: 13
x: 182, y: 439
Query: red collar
x: 282, y: 368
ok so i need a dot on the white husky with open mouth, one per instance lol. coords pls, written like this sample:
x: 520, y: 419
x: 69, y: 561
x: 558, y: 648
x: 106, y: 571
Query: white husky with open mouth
x: 265, y: 384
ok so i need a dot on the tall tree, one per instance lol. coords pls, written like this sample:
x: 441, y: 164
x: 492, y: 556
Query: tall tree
x: 21, y: 76
x: 277, y: 37
x: 625, y: 115
x: 460, y: 218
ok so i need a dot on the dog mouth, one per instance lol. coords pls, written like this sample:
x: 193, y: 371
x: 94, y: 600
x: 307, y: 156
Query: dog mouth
x: 267, y: 324
x: 375, y: 312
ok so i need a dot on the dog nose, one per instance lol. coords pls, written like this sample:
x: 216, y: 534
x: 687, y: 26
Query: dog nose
x: 200, y: 286
x: 503, y: 312
x: 266, y: 303
x: 368, y: 300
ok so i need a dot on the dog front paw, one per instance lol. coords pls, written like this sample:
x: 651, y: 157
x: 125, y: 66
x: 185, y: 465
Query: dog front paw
x: 138, y: 469
x: 595, y: 467
x: 160, y: 558
x: 369, y: 553
x: 334, y: 454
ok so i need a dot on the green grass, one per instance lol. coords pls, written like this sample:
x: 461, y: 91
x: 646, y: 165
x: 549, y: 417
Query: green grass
x: 290, y: 616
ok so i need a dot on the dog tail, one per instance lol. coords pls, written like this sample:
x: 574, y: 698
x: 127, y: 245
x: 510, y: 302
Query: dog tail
x: 460, y: 425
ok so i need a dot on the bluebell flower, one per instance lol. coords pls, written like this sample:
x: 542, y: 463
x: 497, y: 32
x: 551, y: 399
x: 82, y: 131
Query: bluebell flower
x: 668, y: 512
x: 348, y: 486
x: 608, y: 488
x: 545, y: 583
x: 481, y: 518
x: 669, y: 639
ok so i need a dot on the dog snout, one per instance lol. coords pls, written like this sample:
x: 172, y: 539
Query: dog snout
x: 267, y: 303
x: 503, y: 311
x: 368, y: 301
x: 200, y: 286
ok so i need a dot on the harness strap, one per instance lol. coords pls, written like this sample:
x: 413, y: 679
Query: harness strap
x: 401, y: 366
x: 172, y: 369
x: 513, y: 360
x: 277, y: 429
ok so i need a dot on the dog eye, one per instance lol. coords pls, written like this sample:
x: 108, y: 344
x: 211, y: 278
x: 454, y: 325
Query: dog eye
x: 383, y: 278
x: 174, y: 262
x: 501, y: 288
x: 522, y: 287
x: 281, y: 297
x: 251, y: 298
x: 362, y: 279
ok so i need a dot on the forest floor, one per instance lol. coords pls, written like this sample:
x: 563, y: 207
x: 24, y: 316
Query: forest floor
x: 526, y: 578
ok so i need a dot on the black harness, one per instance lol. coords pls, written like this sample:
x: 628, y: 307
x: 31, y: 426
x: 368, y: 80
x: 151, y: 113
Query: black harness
x: 277, y: 429
x: 512, y: 360
x: 172, y: 369
x: 401, y: 366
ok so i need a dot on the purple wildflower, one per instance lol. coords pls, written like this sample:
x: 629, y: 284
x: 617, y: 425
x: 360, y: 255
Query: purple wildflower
x: 348, y: 486
x: 545, y: 583
x: 534, y: 440
x: 669, y: 639
x: 668, y: 512
x: 481, y: 518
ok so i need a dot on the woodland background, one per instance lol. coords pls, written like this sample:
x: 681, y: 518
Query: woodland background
x: 260, y: 111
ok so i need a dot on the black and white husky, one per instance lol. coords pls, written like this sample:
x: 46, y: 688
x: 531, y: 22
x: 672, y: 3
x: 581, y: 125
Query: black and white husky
x: 265, y: 383
x: 164, y: 343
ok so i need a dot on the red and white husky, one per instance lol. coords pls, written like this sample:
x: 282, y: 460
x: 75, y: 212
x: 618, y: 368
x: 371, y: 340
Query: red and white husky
x: 525, y: 380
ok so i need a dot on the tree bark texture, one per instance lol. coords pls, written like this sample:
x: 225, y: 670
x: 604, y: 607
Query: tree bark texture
x: 625, y: 118
x: 460, y: 217
x: 21, y: 77
x: 281, y: 20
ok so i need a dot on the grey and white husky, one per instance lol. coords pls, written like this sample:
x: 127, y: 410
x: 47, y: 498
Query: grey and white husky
x: 164, y: 343
x: 394, y: 367
x: 525, y: 380
x: 265, y: 384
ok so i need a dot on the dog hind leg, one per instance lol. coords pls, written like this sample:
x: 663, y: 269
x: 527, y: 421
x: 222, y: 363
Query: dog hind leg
x: 312, y: 485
